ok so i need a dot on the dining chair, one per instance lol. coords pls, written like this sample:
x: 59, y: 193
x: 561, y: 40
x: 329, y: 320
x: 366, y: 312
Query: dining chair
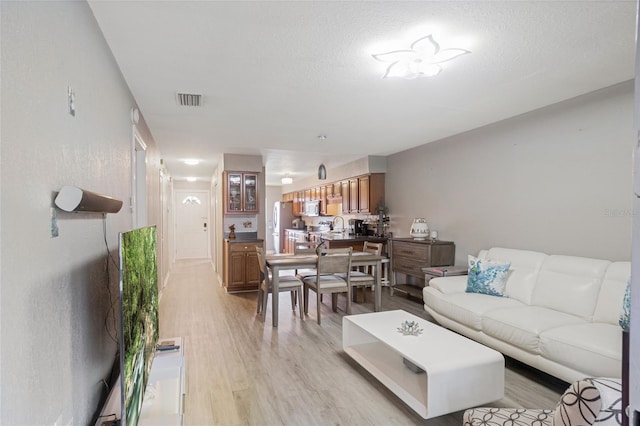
x: 285, y: 283
x: 301, y: 248
x: 365, y: 277
x: 331, y: 262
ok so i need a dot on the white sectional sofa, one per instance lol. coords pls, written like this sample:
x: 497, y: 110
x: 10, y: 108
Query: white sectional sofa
x: 560, y: 313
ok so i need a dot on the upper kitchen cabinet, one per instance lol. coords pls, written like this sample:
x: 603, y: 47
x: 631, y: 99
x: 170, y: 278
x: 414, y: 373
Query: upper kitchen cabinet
x: 241, y: 193
x: 361, y: 194
x: 344, y: 190
x: 365, y: 193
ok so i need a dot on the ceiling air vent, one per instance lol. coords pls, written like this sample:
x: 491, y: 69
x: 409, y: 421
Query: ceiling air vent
x: 189, y: 99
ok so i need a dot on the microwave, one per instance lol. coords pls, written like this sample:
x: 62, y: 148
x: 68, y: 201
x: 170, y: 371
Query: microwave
x: 312, y: 208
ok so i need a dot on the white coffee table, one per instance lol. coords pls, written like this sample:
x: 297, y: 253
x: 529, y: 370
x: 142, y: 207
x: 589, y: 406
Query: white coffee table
x: 458, y: 372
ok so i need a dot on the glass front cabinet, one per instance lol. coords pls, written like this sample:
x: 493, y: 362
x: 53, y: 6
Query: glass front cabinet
x: 241, y: 192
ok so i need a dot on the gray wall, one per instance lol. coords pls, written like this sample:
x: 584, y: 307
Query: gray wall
x: 54, y: 292
x: 556, y: 180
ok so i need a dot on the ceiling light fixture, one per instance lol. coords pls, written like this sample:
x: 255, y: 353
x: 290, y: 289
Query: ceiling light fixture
x: 191, y: 162
x: 287, y: 180
x: 423, y: 58
x: 322, y: 172
x: 191, y: 179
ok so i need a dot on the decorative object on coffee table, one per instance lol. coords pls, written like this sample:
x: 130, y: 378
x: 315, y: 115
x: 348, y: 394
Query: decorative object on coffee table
x: 410, y: 328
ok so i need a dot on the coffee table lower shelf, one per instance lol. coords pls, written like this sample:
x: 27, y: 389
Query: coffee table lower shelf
x: 455, y: 373
x: 387, y: 366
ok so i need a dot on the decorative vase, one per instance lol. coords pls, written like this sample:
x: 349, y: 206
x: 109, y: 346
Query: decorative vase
x: 419, y: 229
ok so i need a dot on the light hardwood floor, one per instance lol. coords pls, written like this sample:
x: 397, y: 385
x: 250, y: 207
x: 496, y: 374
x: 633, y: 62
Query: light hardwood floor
x: 241, y: 371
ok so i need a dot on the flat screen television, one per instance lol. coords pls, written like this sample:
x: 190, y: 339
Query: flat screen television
x: 139, y: 315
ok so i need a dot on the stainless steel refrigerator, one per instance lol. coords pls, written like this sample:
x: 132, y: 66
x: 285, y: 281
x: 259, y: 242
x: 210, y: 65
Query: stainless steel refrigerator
x: 282, y: 218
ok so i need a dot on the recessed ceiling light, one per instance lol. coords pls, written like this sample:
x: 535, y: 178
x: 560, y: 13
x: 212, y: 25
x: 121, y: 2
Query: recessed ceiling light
x: 191, y: 179
x: 191, y: 161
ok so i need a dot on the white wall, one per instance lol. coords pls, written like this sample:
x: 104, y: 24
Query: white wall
x: 556, y: 180
x: 55, y: 293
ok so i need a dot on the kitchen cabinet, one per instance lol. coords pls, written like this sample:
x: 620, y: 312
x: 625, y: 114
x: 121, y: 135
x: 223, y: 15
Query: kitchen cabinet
x: 298, y: 203
x: 409, y: 256
x: 370, y: 192
x: 353, y: 196
x: 288, y: 196
x: 323, y: 200
x: 241, y: 192
x: 337, y: 189
x: 290, y: 241
x: 361, y: 194
x: 344, y: 190
x: 241, y: 268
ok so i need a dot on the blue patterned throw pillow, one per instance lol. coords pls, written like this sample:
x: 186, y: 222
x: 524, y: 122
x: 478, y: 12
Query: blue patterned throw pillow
x: 625, y: 317
x: 487, y: 277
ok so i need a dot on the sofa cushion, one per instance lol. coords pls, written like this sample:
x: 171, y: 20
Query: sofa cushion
x: 595, y: 348
x: 611, y: 296
x: 521, y: 326
x: 570, y: 284
x: 487, y: 276
x: 523, y: 272
x: 453, y: 284
x: 465, y: 308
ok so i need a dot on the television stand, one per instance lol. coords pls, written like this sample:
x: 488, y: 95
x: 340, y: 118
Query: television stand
x: 163, y: 401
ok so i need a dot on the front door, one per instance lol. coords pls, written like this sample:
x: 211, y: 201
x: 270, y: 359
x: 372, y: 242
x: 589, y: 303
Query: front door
x: 192, y: 224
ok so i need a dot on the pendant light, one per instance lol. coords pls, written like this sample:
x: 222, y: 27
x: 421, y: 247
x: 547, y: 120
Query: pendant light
x: 322, y: 172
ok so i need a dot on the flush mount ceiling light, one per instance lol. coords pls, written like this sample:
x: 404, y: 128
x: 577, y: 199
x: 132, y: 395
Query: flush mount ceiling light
x: 191, y: 161
x: 191, y: 179
x: 287, y: 180
x: 423, y: 58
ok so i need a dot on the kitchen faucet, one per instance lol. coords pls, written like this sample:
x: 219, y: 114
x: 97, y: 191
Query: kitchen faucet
x: 334, y: 222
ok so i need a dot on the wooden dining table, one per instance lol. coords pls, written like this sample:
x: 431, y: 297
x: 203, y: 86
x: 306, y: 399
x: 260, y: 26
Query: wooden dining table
x: 286, y: 261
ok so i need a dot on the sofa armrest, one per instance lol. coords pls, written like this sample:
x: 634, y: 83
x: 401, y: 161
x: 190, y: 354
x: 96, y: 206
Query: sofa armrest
x: 489, y: 416
x: 585, y: 402
x: 454, y: 284
x: 590, y: 401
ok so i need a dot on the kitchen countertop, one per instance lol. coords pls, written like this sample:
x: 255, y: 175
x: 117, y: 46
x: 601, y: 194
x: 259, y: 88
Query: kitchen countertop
x: 341, y: 236
x: 244, y: 240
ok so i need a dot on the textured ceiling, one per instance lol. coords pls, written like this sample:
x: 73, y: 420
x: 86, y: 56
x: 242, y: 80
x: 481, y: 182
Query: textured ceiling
x: 275, y: 75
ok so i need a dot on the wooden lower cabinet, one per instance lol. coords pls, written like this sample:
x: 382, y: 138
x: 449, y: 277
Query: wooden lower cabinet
x: 241, y: 268
x: 409, y: 256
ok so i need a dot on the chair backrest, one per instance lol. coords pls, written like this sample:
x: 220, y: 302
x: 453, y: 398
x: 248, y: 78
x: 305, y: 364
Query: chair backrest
x: 262, y: 263
x: 373, y: 248
x: 334, y: 261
